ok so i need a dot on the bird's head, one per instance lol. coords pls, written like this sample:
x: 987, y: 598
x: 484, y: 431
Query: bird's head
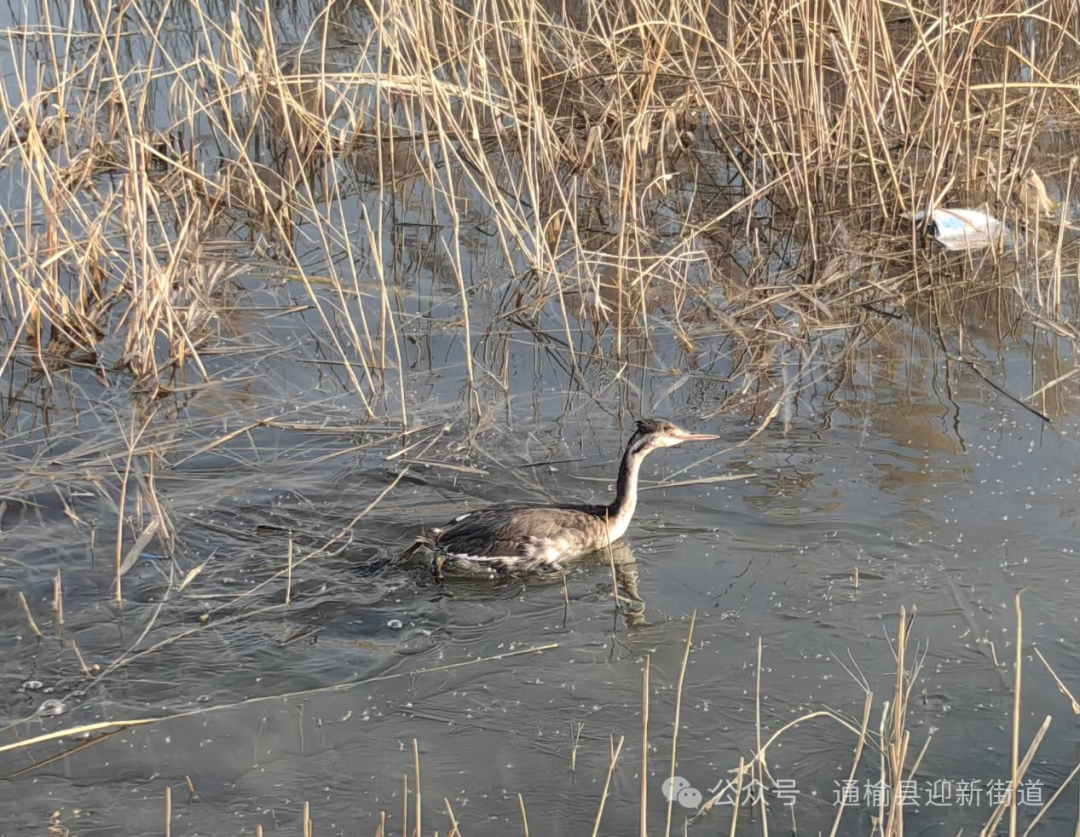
x: 657, y: 433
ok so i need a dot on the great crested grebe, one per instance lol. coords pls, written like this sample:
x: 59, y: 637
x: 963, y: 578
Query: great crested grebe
x: 524, y: 538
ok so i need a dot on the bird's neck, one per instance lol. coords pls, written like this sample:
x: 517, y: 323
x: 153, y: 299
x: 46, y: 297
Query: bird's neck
x: 622, y: 508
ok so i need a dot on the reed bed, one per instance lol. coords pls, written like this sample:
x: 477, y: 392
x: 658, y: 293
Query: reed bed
x: 741, y: 175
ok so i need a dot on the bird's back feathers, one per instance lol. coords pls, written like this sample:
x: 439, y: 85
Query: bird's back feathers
x: 502, y: 538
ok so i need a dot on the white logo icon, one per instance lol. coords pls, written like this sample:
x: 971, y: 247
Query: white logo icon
x: 677, y: 789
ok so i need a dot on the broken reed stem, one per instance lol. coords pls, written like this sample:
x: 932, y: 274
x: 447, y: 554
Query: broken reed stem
x: 404, y: 804
x: 1013, y: 786
x: 29, y: 616
x: 896, y: 744
x: 678, y: 707
x: 288, y: 572
x: 644, y: 747
x: 991, y: 827
x: 760, y: 767
x: 132, y: 441
x: 524, y: 816
x: 168, y: 811
x: 79, y: 657
x: 454, y: 832
x: 738, y: 798
x: 58, y: 603
x: 867, y: 705
x: 305, y: 819
x: 607, y: 785
x: 119, y: 596
x: 416, y: 779
x: 1045, y: 808
x: 1057, y: 680
x: 899, y: 738
x: 881, y: 760
x: 1057, y: 266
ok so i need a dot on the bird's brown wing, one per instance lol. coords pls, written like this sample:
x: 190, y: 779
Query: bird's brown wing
x: 513, y: 534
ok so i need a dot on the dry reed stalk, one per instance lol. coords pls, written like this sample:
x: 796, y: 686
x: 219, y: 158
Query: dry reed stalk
x: 678, y: 707
x: 1019, y: 666
x: 524, y: 816
x: 895, y: 746
x: 29, y: 616
x: 288, y: 572
x: 643, y: 800
x: 1046, y: 807
x: 454, y: 830
x: 131, y: 439
x: 58, y: 604
x: 416, y: 780
x: 616, y: 749
x: 79, y: 657
x: 191, y: 575
x: 738, y: 798
x: 575, y: 738
x: 999, y: 812
x: 1060, y: 685
x: 760, y: 767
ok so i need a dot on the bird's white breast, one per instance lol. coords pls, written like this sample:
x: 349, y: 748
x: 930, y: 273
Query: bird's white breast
x: 547, y: 550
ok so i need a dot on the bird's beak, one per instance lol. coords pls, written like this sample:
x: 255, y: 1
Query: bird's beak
x: 684, y: 436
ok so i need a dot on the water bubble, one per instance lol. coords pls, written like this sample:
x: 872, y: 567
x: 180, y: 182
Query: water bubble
x: 416, y: 642
x: 32, y: 685
x: 52, y: 707
x: 394, y: 623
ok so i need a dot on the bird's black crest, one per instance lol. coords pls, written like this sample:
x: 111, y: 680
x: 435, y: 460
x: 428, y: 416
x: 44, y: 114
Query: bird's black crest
x: 646, y: 426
